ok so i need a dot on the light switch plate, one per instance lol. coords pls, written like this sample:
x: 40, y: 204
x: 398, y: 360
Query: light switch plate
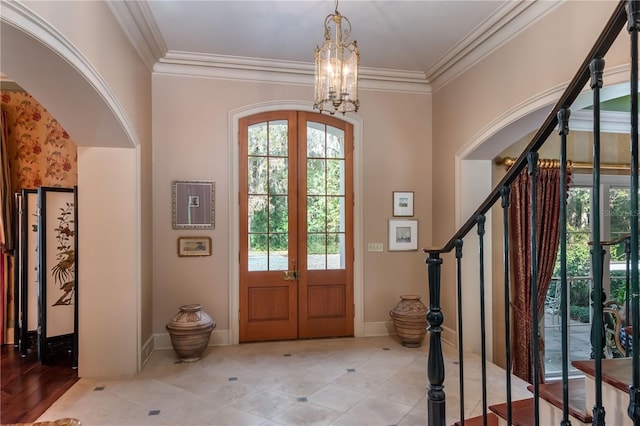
x: 375, y: 247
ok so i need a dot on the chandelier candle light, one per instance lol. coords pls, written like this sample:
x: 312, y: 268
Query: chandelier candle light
x: 337, y: 68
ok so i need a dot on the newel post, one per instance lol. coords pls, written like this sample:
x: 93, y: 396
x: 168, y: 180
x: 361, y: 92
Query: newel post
x: 435, y: 363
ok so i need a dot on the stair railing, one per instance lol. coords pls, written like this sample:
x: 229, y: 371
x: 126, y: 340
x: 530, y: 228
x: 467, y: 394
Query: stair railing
x: 592, y: 66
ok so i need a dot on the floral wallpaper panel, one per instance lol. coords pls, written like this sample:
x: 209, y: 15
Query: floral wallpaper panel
x: 41, y: 152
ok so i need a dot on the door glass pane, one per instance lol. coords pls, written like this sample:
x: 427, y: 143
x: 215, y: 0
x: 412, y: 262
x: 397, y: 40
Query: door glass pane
x: 268, y: 187
x: 278, y: 176
x: 257, y: 248
x: 316, y: 214
x: 325, y: 197
x: 336, y: 251
x: 257, y: 142
x: 278, y: 255
x: 278, y: 138
x: 315, y: 140
x: 316, y: 182
x: 257, y: 175
x: 335, y: 142
x: 335, y: 177
x: 335, y: 214
x: 278, y: 217
x: 258, y: 217
x: 316, y: 249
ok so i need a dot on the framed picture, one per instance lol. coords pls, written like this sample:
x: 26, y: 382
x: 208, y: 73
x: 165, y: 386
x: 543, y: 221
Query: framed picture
x: 403, y: 234
x: 403, y: 203
x: 194, y: 246
x: 193, y: 204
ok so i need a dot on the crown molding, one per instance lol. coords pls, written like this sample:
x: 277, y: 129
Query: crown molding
x: 137, y: 22
x: 509, y: 21
x: 283, y: 72
x: 513, y: 17
x: 610, y: 121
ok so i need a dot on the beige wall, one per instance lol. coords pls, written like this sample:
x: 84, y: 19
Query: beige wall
x: 505, y: 85
x: 109, y: 256
x: 193, y: 141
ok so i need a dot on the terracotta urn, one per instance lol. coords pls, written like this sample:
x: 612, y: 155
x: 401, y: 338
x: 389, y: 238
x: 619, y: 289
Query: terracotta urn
x: 190, y: 330
x: 410, y: 320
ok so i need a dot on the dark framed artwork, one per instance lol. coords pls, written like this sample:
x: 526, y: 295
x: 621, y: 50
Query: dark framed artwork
x: 193, y: 204
x: 57, y: 248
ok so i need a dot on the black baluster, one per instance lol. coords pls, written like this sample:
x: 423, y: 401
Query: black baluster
x: 596, y: 67
x: 563, y: 130
x: 505, y: 193
x: 435, y: 364
x: 460, y: 336
x: 633, y: 23
x: 483, y: 339
x: 627, y: 278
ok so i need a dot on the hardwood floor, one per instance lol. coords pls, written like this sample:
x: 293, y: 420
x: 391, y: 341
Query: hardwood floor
x: 28, y: 388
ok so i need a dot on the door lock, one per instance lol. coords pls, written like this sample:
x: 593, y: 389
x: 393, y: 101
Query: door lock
x: 290, y: 275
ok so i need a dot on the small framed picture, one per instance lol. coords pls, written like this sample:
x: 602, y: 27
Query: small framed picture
x: 194, y: 246
x: 403, y: 234
x: 193, y: 204
x: 402, y: 203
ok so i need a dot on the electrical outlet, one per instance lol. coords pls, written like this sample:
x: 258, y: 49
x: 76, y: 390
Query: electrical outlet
x: 375, y: 247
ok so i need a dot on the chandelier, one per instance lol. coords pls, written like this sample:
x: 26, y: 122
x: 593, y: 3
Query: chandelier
x: 337, y: 67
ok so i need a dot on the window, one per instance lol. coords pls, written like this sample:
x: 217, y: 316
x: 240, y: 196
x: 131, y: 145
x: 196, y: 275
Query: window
x: 614, y: 217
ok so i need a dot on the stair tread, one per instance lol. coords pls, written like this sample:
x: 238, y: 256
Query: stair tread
x: 492, y: 420
x: 615, y: 371
x: 552, y: 392
x: 522, y: 412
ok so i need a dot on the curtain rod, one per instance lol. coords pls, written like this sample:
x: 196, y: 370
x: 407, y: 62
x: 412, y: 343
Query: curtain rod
x: 552, y: 163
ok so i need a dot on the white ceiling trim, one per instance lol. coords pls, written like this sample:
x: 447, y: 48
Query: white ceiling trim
x: 284, y: 72
x: 610, y: 121
x: 510, y: 20
x: 137, y: 20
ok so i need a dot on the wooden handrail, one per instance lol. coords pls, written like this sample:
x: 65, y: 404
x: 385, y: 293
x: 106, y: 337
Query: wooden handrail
x: 608, y: 35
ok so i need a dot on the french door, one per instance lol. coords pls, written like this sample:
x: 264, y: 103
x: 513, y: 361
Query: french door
x: 296, y: 226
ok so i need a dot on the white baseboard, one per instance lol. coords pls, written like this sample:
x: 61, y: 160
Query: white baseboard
x: 381, y: 328
x: 162, y: 341
x: 147, y: 350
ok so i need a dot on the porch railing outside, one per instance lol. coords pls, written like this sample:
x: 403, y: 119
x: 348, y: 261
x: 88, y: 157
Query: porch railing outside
x: 590, y: 71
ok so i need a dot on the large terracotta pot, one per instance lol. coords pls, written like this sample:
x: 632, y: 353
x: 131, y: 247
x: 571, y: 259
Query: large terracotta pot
x: 190, y: 330
x: 410, y: 320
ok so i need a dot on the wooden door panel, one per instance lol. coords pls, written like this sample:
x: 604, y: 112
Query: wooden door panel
x: 326, y: 304
x: 315, y: 240
x: 271, y: 310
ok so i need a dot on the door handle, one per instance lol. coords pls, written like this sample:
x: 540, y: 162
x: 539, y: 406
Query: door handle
x: 290, y: 275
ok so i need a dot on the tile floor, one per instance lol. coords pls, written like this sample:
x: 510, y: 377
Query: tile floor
x: 350, y: 381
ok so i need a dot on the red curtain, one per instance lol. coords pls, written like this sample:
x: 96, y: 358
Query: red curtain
x: 6, y: 234
x: 547, y: 238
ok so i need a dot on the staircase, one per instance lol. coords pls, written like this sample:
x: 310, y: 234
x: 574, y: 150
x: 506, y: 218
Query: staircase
x: 603, y: 395
x: 616, y: 374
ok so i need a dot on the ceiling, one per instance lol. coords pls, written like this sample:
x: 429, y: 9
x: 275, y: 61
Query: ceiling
x: 421, y: 37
